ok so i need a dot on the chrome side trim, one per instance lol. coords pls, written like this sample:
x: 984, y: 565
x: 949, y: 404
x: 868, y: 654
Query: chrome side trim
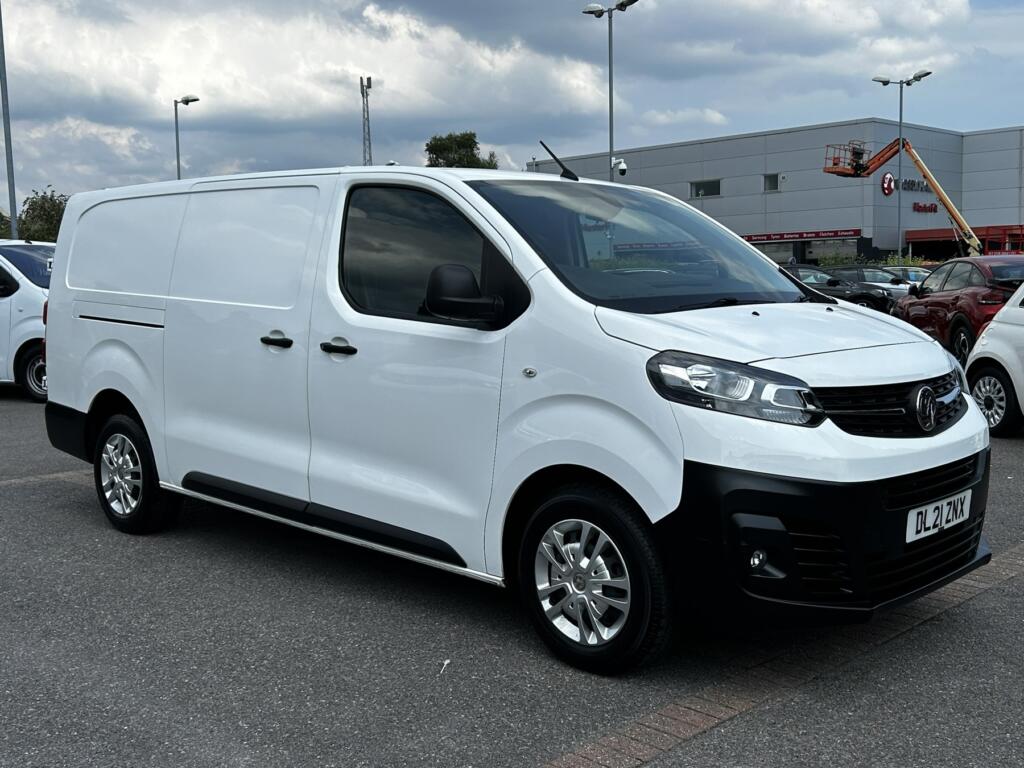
x: 487, y: 578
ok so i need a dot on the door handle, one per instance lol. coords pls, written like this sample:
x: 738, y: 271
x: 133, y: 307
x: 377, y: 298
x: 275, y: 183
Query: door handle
x: 276, y: 341
x: 337, y: 349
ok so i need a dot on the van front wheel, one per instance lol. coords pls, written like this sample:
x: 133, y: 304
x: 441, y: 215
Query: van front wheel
x: 592, y: 580
x: 126, y: 481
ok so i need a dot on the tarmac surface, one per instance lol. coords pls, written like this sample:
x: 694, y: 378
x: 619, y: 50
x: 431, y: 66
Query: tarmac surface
x: 229, y: 640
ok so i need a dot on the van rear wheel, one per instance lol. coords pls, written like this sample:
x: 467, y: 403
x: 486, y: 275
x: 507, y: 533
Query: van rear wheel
x: 31, y: 373
x: 593, y: 581
x: 126, y: 481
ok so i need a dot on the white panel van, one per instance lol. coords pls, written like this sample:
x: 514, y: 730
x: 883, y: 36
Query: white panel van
x: 587, y: 391
x: 24, y: 282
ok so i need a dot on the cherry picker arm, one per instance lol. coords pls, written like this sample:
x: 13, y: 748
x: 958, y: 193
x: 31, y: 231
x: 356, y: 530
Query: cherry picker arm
x: 855, y: 160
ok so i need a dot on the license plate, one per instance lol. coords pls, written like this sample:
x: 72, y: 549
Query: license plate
x: 937, y: 516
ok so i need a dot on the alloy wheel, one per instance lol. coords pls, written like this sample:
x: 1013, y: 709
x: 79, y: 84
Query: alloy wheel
x: 121, y: 475
x: 582, y: 582
x: 990, y: 396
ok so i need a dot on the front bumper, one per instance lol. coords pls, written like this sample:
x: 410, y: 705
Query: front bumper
x: 832, y: 547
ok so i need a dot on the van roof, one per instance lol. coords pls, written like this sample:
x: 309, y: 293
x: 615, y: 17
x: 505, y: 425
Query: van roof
x: 454, y: 174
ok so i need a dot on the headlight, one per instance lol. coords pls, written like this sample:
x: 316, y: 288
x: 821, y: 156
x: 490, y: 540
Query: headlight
x: 960, y: 375
x: 720, y: 385
x: 887, y: 292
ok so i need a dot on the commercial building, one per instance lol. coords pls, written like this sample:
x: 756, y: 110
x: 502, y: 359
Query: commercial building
x: 769, y: 187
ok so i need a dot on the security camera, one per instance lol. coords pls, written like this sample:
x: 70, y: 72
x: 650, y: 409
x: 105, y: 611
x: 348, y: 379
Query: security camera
x: 620, y: 165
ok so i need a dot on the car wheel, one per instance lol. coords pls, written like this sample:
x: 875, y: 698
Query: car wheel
x: 961, y: 342
x: 31, y: 373
x: 993, y: 392
x: 593, y: 581
x: 126, y: 481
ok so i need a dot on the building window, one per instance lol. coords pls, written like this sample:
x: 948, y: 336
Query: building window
x: 706, y: 188
x: 771, y: 182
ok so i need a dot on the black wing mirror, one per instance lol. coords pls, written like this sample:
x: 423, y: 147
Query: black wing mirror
x: 915, y: 290
x: 833, y: 282
x: 897, y: 281
x: 453, y: 294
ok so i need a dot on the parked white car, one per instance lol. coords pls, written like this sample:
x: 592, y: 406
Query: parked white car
x: 24, y: 281
x: 590, y: 392
x: 996, y: 368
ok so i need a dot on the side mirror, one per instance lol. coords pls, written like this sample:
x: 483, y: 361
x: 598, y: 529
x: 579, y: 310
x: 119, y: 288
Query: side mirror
x: 897, y: 281
x: 914, y: 290
x: 833, y: 282
x: 453, y: 294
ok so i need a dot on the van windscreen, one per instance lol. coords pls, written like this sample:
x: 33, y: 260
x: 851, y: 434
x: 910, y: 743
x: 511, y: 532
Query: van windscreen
x: 634, y: 250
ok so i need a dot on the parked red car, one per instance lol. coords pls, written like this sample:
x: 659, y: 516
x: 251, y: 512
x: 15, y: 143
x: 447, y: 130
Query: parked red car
x: 956, y: 301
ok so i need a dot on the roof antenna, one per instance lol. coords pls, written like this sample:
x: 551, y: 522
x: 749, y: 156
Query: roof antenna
x: 566, y: 173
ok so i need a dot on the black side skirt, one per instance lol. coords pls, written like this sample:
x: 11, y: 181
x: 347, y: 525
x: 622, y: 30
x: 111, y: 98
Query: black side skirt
x: 320, y: 516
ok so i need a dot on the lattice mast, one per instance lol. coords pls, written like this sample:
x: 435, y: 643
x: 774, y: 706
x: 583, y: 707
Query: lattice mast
x: 365, y: 83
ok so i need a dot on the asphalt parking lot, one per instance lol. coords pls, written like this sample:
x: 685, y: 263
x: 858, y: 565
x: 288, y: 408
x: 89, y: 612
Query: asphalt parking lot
x: 232, y: 641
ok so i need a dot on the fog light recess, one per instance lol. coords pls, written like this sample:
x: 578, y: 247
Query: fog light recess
x: 758, y: 559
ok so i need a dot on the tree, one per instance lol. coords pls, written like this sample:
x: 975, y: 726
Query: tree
x: 458, y: 150
x: 40, y: 216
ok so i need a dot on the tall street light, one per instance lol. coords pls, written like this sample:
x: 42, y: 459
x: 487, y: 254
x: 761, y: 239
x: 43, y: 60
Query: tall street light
x: 909, y: 81
x: 186, y: 100
x: 597, y: 11
x: 7, y: 135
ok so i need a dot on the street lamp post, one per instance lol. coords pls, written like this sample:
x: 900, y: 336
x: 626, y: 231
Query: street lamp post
x: 7, y: 135
x: 597, y: 11
x: 186, y: 100
x: 909, y: 81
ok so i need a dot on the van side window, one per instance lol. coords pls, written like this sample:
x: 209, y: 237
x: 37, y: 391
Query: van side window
x: 8, y: 285
x: 393, y: 238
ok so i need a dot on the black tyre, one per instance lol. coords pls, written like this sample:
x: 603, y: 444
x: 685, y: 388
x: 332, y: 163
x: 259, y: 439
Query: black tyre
x: 993, y: 391
x: 593, y: 580
x: 126, y: 480
x: 961, y: 342
x: 30, y: 373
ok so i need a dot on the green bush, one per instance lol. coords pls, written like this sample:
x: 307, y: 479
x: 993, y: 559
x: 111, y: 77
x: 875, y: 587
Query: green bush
x: 836, y: 259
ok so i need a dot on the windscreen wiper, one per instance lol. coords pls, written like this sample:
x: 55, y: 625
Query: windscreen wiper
x: 725, y: 301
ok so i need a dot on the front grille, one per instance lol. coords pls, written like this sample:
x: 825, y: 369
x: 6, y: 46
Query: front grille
x: 920, y: 488
x: 822, y: 561
x: 888, y: 410
x: 845, y: 562
x: 924, y: 561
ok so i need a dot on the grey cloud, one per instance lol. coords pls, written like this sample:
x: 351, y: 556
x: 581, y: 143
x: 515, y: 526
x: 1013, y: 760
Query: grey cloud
x: 760, y: 70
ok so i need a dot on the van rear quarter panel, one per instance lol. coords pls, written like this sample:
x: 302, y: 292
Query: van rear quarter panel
x: 114, y: 257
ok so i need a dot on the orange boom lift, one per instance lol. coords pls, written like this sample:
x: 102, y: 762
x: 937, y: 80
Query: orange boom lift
x: 855, y: 160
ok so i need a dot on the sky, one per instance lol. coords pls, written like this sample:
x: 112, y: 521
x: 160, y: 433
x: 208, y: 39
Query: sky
x: 92, y: 82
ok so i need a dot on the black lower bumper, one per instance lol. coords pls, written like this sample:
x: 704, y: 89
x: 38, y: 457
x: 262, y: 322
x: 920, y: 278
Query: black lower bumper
x: 67, y: 430
x: 828, y: 547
